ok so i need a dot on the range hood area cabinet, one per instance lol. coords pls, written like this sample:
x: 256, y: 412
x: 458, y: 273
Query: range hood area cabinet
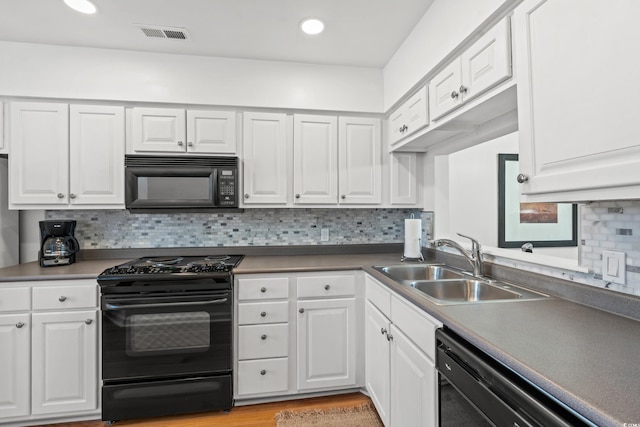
x: 66, y: 156
x: 578, y: 100
x: 174, y: 130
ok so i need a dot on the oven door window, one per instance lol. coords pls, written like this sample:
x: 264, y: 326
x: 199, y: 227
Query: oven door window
x: 168, y: 333
x: 149, y: 336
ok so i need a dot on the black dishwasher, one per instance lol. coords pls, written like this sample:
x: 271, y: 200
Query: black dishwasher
x: 477, y: 390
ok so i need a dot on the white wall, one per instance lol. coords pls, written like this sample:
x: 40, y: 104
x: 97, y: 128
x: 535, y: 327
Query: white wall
x: 85, y: 73
x: 445, y: 25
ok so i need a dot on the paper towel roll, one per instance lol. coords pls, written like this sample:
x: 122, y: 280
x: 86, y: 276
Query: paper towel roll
x: 413, y: 238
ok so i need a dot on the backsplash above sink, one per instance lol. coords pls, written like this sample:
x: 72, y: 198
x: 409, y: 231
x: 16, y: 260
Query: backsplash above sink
x: 116, y: 229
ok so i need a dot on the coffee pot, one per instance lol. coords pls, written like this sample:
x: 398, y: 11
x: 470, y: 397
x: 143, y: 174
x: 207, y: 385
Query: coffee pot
x: 58, y: 246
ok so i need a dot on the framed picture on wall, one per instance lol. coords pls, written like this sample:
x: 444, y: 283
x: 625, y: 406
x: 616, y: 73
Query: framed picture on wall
x: 541, y: 224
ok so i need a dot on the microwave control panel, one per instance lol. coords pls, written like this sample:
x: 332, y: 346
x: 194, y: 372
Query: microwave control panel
x: 227, y: 187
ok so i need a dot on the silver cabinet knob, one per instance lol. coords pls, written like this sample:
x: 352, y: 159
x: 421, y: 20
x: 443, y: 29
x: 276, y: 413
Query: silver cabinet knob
x: 246, y: 195
x: 263, y: 314
x: 343, y: 197
x: 62, y: 298
x: 454, y: 94
x: 297, y: 196
x: 19, y: 325
x: 301, y: 310
x: 72, y: 196
x: 263, y: 337
x: 263, y: 372
x: 60, y: 196
x: 180, y: 143
x: 189, y: 144
x: 383, y: 331
x: 88, y: 321
x: 263, y: 289
x: 463, y: 89
x: 327, y: 287
x: 389, y: 337
x: 522, y: 178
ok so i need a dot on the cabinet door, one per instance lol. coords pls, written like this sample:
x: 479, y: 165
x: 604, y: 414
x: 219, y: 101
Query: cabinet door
x: 15, y: 348
x: 96, y: 155
x: 487, y: 62
x: 444, y: 90
x: 315, y: 153
x: 360, y: 151
x: 39, y: 161
x: 65, y: 362
x: 416, y: 111
x: 403, y: 179
x: 396, y: 125
x: 211, y: 131
x: 413, y: 384
x: 326, y: 343
x: 265, y: 158
x: 158, y: 129
x: 3, y: 144
x: 577, y: 100
x: 378, y: 363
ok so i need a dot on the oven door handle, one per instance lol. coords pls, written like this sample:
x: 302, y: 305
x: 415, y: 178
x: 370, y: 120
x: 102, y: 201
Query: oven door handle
x: 110, y: 306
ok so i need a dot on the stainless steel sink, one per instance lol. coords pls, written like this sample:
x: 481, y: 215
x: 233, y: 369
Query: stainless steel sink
x: 411, y: 272
x: 467, y: 290
x: 443, y: 285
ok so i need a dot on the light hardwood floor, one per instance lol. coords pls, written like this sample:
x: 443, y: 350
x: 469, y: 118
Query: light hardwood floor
x: 240, y: 416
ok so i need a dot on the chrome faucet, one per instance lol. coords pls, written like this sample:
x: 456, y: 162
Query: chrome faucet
x: 474, y: 258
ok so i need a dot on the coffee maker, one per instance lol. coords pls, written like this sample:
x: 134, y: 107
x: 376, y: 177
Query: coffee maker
x: 58, y: 246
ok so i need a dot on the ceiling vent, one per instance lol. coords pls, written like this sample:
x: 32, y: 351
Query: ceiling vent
x: 157, y: 32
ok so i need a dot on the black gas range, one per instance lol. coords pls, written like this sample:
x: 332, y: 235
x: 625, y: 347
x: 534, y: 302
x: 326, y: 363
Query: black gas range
x: 167, y: 336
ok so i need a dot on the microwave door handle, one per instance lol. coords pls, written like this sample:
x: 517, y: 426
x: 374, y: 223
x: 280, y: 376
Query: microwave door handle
x: 110, y: 306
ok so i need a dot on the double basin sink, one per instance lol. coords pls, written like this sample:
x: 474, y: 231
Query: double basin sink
x: 444, y: 285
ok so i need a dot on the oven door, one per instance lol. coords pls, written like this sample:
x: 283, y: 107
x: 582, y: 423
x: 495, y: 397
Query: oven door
x: 164, y: 335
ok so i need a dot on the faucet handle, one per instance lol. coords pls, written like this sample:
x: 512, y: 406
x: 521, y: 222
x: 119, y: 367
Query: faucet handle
x: 474, y: 242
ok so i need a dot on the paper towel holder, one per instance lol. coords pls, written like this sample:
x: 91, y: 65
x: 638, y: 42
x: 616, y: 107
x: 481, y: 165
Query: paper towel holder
x: 416, y: 259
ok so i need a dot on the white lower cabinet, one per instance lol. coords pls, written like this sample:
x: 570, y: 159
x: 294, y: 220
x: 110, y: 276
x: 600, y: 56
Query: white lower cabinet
x: 49, y: 351
x: 401, y: 376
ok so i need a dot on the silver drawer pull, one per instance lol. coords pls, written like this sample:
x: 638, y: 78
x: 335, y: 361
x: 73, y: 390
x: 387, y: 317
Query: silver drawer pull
x: 263, y: 337
x: 88, y: 321
x: 263, y: 314
x: 19, y: 325
x: 263, y: 372
x: 327, y: 287
x: 263, y: 289
x: 62, y: 298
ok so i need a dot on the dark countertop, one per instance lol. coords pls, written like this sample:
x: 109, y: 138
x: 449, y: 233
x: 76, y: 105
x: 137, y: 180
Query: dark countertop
x: 585, y: 357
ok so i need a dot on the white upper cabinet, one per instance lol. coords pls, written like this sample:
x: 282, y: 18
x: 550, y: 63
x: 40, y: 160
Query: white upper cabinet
x: 96, y: 155
x: 171, y: 130
x: 360, y: 177
x: 66, y: 160
x: 577, y: 99
x: 481, y: 66
x: 315, y: 153
x: 265, y: 157
x: 410, y: 117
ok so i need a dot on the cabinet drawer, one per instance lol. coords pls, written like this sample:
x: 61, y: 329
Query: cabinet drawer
x: 263, y: 376
x: 419, y: 327
x: 250, y: 313
x: 379, y: 296
x: 263, y: 341
x: 63, y: 297
x: 15, y: 299
x: 264, y: 288
x: 326, y: 286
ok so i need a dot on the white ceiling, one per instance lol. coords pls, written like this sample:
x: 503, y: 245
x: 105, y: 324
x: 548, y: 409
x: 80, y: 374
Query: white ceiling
x: 358, y: 32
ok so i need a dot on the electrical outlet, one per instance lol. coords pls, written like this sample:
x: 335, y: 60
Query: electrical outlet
x: 324, y: 235
x: 614, y: 268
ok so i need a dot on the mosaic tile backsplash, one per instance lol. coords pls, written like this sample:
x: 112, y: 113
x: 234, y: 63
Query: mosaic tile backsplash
x: 104, y: 229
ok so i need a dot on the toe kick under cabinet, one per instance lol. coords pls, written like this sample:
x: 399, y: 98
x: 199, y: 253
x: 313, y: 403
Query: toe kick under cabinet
x: 48, y: 351
x: 297, y: 333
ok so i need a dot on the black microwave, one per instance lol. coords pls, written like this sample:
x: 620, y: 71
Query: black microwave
x: 180, y: 182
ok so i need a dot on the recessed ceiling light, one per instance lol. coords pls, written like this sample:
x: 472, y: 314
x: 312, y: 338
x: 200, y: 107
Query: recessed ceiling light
x: 82, y: 6
x: 312, y: 26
